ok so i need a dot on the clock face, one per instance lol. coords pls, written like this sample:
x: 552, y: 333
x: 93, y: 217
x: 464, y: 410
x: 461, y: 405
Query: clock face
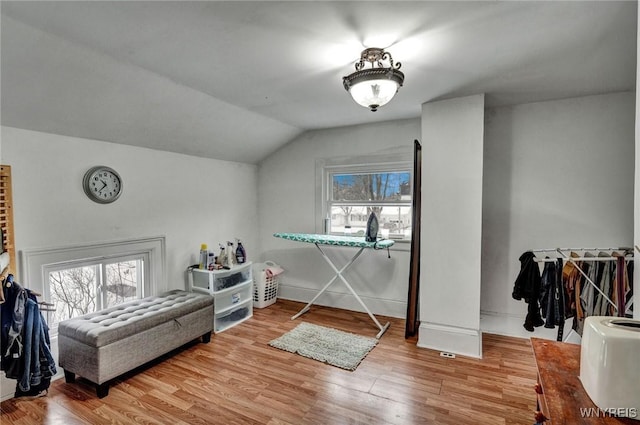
x: 102, y: 184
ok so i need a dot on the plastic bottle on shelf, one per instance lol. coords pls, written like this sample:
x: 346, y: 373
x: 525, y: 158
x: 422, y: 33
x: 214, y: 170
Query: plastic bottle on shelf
x: 231, y: 257
x: 222, y: 258
x: 211, y: 264
x: 241, y: 254
x: 204, y: 256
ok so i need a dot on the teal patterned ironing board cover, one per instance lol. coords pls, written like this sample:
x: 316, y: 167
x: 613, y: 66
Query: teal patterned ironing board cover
x: 354, y: 241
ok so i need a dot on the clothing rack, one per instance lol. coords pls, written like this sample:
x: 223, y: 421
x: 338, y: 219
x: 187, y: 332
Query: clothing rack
x: 620, y: 264
x: 43, y: 305
x: 8, y: 281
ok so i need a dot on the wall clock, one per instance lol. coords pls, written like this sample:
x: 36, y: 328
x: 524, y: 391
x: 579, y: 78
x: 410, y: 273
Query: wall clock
x: 102, y: 184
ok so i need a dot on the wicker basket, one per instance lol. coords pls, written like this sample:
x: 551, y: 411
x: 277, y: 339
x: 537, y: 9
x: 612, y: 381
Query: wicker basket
x: 265, y: 289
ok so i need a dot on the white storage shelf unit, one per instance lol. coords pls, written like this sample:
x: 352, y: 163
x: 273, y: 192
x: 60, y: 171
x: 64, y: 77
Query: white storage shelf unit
x: 232, y: 291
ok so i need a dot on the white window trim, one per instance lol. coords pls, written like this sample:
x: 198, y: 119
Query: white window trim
x: 36, y: 264
x: 353, y: 164
x: 143, y: 288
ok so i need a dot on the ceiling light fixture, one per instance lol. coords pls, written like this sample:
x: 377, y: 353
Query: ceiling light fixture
x: 374, y: 87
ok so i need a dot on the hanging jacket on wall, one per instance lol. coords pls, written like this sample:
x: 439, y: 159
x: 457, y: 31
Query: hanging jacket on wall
x: 12, y: 316
x: 26, y: 348
x: 527, y: 286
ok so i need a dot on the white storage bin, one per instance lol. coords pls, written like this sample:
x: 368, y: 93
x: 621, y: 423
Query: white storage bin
x: 231, y: 317
x: 230, y: 297
x: 265, y: 289
x: 232, y: 291
x: 219, y: 280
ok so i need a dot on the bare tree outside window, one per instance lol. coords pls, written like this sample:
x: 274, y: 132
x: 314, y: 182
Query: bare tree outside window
x: 355, y: 196
x: 73, y: 292
x: 80, y: 290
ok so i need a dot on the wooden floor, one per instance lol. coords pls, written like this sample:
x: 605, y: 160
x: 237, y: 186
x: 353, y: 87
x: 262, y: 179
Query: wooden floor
x: 238, y: 379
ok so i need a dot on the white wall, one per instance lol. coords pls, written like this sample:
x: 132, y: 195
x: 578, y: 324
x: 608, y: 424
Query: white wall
x: 556, y: 174
x: 287, y: 203
x: 636, y: 269
x: 452, y: 133
x: 189, y: 200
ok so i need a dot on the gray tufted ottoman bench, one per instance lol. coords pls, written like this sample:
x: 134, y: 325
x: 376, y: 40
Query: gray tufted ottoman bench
x: 103, y: 345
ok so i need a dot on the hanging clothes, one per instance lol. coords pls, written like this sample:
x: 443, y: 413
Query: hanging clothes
x: 626, y: 289
x: 590, y: 295
x: 552, y: 296
x: 583, y: 292
x: 26, y: 347
x: 629, y: 294
x: 601, y: 307
x: 571, y: 278
x: 527, y: 286
x: 587, y: 294
x: 582, y: 286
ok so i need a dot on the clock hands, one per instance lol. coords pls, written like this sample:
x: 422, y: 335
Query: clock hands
x: 104, y: 184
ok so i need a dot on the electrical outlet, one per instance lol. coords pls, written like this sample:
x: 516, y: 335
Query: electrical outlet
x: 447, y: 355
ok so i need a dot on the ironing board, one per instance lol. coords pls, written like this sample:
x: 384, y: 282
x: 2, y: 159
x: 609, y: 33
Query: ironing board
x: 348, y: 241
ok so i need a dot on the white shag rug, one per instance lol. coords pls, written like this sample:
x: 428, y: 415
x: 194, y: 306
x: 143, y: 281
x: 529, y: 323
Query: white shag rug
x: 342, y: 349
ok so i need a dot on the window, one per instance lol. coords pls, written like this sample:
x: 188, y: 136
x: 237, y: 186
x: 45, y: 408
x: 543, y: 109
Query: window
x: 352, y: 191
x: 82, y: 287
x: 85, y: 278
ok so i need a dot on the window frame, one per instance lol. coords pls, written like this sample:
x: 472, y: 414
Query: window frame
x: 326, y: 168
x: 36, y: 264
x: 100, y: 264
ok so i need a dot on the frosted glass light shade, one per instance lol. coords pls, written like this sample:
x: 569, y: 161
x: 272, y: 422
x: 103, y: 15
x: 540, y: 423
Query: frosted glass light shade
x: 375, y: 86
x: 373, y: 93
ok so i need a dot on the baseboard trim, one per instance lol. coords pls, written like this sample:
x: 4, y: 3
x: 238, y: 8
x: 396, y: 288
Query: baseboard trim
x: 512, y: 325
x: 451, y: 339
x: 378, y: 306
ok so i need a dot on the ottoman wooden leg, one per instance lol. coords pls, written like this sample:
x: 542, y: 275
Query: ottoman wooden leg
x: 69, y: 377
x: 206, y: 337
x: 102, y: 390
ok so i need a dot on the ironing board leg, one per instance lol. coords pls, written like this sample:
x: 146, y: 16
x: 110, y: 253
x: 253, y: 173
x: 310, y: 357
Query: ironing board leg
x: 338, y: 274
x: 333, y: 279
x: 382, y: 328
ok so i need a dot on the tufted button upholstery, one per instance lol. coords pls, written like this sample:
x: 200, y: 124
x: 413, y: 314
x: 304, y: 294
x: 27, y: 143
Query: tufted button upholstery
x: 115, y: 323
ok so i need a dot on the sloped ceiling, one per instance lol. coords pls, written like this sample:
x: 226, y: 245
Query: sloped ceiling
x: 237, y: 80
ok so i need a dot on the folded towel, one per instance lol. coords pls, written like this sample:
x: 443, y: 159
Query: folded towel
x: 273, y: 271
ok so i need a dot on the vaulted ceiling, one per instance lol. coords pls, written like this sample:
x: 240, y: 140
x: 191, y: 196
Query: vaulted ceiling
x: 236, y: 80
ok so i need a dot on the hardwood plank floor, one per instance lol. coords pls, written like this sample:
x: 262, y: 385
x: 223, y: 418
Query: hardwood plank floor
x: 238, y: 379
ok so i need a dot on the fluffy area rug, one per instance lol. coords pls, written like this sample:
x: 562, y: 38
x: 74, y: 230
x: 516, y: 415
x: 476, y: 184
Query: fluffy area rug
x: 342, y: 349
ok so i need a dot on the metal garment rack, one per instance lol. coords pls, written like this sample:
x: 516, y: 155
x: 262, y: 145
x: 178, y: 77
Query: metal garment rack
x: 620, y: 265
x: 43, y: 306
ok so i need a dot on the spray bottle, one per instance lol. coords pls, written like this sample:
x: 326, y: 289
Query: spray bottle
x: 241, y: 254
x: 222, y: 257
x: 231, y: 257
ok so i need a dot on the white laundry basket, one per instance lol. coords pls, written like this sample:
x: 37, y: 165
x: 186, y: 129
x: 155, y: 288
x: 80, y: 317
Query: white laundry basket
x: 265, y: 288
